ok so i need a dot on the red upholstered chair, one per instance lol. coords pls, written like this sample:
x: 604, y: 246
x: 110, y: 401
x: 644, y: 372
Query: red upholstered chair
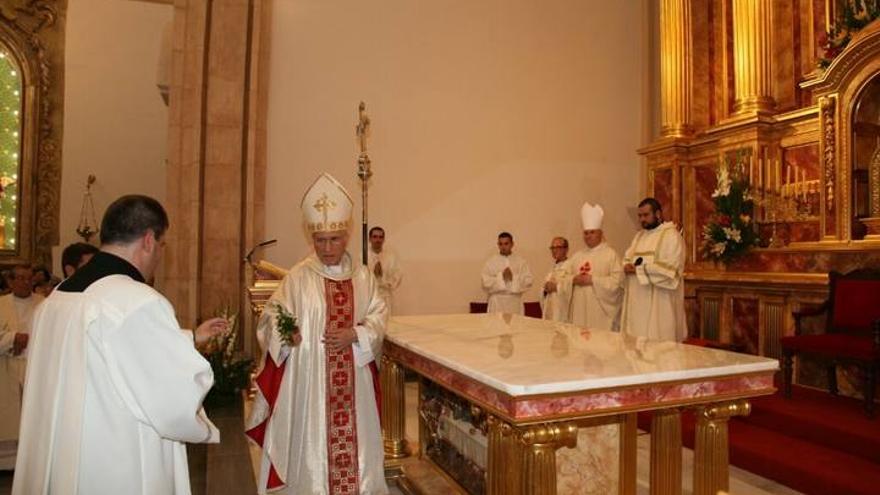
x: 852, y: 331
x: 533, y: 309
x: 479, y: 307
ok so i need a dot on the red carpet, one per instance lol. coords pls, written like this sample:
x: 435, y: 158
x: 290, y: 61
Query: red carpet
x: 814, y: 443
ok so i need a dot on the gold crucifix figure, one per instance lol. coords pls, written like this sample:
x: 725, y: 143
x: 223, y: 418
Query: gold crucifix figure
x: 324, y: 205
x: 363, y: 127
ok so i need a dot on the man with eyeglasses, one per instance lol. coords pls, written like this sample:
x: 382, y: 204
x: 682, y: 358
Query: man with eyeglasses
x: 595, y: 276
x: 554, y: 302
x: 316, y: 414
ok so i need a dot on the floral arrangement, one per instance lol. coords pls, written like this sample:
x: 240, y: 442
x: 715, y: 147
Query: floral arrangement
x: 232, y: 372
x: 731, y: 231
x: 285, y: 323
x: 854, y: 15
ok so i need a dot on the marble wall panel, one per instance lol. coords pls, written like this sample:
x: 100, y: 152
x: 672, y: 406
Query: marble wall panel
x: 592, y: 467
x: 744, y: 330
x: 804, y: 262
x: 705, y: 182
x: 664, y: 188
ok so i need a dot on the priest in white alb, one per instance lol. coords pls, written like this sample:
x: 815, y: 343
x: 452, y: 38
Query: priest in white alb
x: 384, y: 265
x: 16, y: 314
x: 505, y: 278
x: 556, y: 297
x: 316, y: 414
x: 653, y: 304
x: 596, y: 276
x: 114, y: 386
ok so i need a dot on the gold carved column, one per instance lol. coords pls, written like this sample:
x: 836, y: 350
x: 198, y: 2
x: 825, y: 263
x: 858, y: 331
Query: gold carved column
x: 505, y: 454
x: 628, y: 455
x: 666, y: 452
x: 393, y: 409
x: 675, y: 68
x: 752, y: 33
x: 710, y: 448
x: 539, y: 444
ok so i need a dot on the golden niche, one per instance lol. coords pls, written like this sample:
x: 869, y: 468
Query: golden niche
x: 866, y: 162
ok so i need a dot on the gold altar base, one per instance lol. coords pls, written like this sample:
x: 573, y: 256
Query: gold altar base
x: 522, y: 459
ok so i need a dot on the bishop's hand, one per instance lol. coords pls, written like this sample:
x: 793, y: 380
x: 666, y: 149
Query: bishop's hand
x: 339, y: 339
x: 583, y: 279
x: 550, y: 286
x: 210, y: 329
x: 507, y: 274
x: 629, y: 269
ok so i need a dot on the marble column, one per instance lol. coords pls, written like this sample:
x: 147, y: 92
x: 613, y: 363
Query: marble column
x: 675, y: 68
x: 752, y: 51
x: 216, y: 159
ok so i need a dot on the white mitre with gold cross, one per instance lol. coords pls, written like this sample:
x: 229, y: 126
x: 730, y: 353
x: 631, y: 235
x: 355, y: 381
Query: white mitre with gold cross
x: 591, y: 216
x: 326, y: 205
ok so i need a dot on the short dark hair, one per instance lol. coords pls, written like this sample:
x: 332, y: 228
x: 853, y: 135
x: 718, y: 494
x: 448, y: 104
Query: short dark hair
x: 507, y: 235
x: 563, y: 239
x: 73, y: 254
x: 655, y: 205
x: 377, y: 228
x: 130, y: 217
x: 42, y: 269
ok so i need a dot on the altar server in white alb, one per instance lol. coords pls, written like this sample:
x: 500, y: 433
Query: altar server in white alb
x: 653, y: 306
x: 556, y: 297
x: 506, y: 277
x: 16, y: 315
x: 596, y: 276
x: 384, y: 265
x: 316, y: 414
x: 114, y: 386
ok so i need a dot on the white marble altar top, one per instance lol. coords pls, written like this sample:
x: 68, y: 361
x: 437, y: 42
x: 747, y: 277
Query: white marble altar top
x: 526, y: 356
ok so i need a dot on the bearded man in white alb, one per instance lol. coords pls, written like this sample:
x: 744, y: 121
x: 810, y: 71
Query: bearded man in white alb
x: 114, y: 386
x: 316, y: 414
x: 555, y: 302
x: 653, y: 304
x: 596, y: 276
x: 505, y: 278
x: 384, y: 265
x: 16, y: 314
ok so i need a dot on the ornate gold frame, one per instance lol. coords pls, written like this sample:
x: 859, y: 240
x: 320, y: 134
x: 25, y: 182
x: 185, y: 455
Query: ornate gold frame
x: 33, y: 31
x: 837, y: 91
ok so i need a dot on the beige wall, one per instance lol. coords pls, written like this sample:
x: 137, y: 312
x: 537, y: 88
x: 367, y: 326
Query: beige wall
x: 115, y: 123
x: 488, y: 115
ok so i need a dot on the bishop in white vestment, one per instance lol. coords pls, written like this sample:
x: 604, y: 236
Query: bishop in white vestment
x: 505, y: 278
x: 316, y: 414
x: 556, y: 298
x: 16, y: 315
x: 595, y: 276
x: 384, y: 265
x: 653, y: 306
x: 114, y: 386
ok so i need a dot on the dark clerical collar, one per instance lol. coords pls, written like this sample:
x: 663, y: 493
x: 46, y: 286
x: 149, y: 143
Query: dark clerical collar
x: 101, y: 265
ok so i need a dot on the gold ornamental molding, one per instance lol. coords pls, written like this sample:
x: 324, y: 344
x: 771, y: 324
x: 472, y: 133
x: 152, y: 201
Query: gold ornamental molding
x: 33, y: 30
x: 827, y: 143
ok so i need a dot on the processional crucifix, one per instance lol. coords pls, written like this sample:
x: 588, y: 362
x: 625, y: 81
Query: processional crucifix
x: 364, y: 172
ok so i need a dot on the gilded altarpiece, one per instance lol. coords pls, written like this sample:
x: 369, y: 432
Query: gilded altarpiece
x: 808, y: 138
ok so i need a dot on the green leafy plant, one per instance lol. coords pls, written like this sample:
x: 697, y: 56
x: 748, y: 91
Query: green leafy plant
x: 285, y: 323
x: 853, y: 16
